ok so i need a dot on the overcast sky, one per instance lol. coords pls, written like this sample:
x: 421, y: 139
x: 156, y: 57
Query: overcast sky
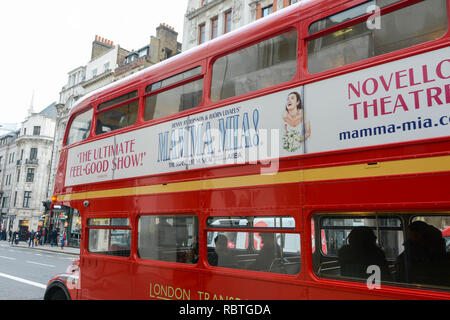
x: 41, y: 41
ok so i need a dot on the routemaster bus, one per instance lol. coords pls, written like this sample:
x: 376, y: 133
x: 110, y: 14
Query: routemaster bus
x: 303, y: 156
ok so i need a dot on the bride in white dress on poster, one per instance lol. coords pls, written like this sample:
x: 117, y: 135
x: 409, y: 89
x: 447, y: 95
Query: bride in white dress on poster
x: 295, y: 130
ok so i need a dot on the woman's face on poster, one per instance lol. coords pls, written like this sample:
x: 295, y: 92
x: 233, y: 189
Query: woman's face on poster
x: 291, y: 102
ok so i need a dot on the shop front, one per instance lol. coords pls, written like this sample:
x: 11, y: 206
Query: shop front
x: 24, y: 225
x: 67, y: 219
x: 74, y: 234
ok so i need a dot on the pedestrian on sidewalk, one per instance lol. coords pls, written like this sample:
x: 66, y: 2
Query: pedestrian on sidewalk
x: 53, y: 240
x: 15, y: 238
x: 12, y: 238
x: 46, y: 235
x: 41, y: 239
x: 31, y: 239
x: 38, y: 237
x: 63, y: 240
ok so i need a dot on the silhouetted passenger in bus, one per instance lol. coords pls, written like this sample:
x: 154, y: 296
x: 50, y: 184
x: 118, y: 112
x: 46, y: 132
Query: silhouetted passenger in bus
x: 269, y: 253
x: 221, y: 256
x: 167, y: 240
x: 360, y: 253
x: 192, y: 256
x: 224, y: 256
x: 99, y: 127
x: 424, y: 260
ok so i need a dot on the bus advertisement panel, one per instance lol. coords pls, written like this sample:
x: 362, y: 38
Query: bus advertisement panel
x: 246, y: 132
x: 404, y: 100
x: 400, y: 101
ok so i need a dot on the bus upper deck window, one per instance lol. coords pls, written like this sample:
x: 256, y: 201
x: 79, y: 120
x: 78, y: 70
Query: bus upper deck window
x: 80, y: 127
x: 119, y: 117
x: 267, y: 63
x: 360, y: 41
x: 180, y: 98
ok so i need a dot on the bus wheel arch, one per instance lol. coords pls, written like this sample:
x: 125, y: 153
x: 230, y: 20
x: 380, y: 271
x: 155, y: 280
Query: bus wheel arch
x: 57, y: 291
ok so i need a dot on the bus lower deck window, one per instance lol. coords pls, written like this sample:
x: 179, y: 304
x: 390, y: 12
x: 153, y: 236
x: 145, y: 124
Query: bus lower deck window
x: 168, y: 238
x: 405, y: 248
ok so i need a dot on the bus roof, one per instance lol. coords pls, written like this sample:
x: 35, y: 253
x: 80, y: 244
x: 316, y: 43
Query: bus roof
x: 223, y: 43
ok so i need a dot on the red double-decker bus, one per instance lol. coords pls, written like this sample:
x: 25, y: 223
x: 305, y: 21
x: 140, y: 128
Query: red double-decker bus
x: 304, y: 156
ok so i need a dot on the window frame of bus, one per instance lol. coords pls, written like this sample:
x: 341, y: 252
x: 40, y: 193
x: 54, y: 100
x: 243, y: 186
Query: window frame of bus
x: 254, y: 230
x: 73, y: 117
x: 121, y: 226
x: 395, y: 6
x: 293, y: 27
x: 149, y: 92
x: 362, y: 215
x: 118, y: 105
x: 196, y: 234
x: 402, y: 216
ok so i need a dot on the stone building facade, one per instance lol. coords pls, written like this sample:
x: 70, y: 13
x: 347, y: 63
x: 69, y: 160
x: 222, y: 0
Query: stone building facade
x: 7, y: 177
x: 105, y: 59
x: 25, y: 177
x: 208, y: 19
x: 161, y: 47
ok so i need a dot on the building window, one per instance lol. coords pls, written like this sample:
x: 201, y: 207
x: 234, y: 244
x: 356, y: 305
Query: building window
x: 106, y: 67
x: 36, y: 130
x: 15, y: 198
x: 5, y: 202
x: 143, y: 52
x: 266, y: 11
x: 201, y: 34
x: 33, y: 153
x: 18, y: 175
x: 214, y: 27
x: 30, y: 175
x: 94, y: 73
x: 26, y: 199
x: 227, y: 27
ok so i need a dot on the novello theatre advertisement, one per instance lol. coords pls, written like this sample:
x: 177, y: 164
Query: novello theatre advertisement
x: 404, y: 100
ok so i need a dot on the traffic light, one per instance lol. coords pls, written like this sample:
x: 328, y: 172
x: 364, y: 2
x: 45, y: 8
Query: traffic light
x: 47, y: 205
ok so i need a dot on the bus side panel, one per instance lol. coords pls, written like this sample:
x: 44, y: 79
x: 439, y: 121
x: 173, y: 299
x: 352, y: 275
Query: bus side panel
x: 255, y: 198
x: 229, y: 285
x: 166, y: 281
x: 106, y: 278
x: 406, y: 190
